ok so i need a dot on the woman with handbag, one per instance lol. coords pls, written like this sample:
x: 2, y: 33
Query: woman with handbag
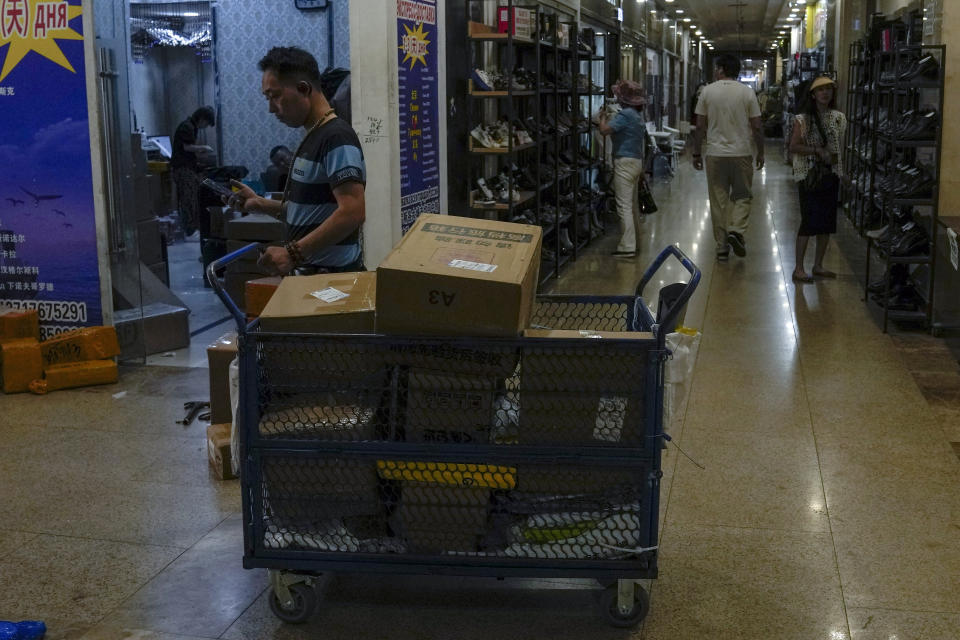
x: 627, y: 131
x: 815, y: 145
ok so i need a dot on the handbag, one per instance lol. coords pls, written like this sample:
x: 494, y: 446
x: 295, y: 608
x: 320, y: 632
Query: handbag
x: 645, y: 199
x: 820, y: 169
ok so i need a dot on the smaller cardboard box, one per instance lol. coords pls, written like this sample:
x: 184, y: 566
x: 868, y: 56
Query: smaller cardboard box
x: 219, y: 356
x: 218, y: 451
x: 326, y: 303
x: 449, y: 409
x: 584, y: 394
x: 20, y: 364
x: 258, y: 294
x: 459, y: 276
x: 75, y: 374
x: 256, y: 227
x: 89, y: 343
x: 19, y: 323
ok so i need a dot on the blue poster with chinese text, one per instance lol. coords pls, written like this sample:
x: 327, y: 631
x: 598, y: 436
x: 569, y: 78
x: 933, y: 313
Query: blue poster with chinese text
x: 48, y: 241
x: 418, y: 96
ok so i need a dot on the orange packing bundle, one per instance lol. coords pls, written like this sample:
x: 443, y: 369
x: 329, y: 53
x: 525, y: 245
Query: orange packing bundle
x: 75, y: 374
x: 17, y: 323
x: 258, y: 294
x: 89, y: 343
x: 20, y: 363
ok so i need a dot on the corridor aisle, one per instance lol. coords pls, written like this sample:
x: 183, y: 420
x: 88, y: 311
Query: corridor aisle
x: 827, y: 505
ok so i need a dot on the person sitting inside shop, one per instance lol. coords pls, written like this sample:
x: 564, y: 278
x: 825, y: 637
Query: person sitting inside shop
x: 323, y: 204
x: 274, y: 178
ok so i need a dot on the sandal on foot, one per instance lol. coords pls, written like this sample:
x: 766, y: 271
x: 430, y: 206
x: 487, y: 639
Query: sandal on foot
x: 823, y: 273
x: 802, y: 278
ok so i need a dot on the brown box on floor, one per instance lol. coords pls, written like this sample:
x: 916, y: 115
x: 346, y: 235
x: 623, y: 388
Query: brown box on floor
x: 585, y: 394
x: 20, y: 364
x: 75, y: 374
x: 258, y: 293
x: 18, y: 323
x: 327, y: 303
x: 219, y: 356
x: 88, y: 343
x: 218, y: 450
x: 445, y: 274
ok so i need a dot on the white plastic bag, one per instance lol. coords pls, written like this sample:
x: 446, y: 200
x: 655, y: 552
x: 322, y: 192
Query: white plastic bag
x: 234, y: 400
x: 683, y: 344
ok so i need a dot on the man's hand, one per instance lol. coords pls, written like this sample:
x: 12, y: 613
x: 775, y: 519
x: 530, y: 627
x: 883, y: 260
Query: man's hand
x: 698, y: 163
x: 276, y: 259
x: 244, y: 199
x: 759, y: 161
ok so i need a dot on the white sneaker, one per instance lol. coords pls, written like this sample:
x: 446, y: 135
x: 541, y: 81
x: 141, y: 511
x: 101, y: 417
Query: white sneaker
x: 480, y: 135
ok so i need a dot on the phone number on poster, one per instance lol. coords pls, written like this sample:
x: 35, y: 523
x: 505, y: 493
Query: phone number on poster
x: 53, y: 310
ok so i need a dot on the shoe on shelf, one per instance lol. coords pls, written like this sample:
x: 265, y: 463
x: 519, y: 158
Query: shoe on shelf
x: 482, y: 80
x: 485, y: 195
x: 480, y: 134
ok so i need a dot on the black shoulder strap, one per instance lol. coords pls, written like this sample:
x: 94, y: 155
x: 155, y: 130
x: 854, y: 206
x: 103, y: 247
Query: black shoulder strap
x: 823, y: 135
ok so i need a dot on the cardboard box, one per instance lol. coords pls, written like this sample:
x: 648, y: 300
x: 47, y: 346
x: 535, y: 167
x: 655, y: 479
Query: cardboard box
x: 258, y: 293
x: 218, y: 451
x: 449, y: 409
x: 20, y: 364
x: 75, y: 374
x: 326, y: 303
x: 219, y: 356
x: 585, y: 394
x: 300, y: 491
x: 89, y: 343
x: 444, y: 506
x: 160, y: 327
x: 522, y: 21
x: 443, y: 277
x: 255, y: 227
x: 17, y: 323
x: 344, y: 423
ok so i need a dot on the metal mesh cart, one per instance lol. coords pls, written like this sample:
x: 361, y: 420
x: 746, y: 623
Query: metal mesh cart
x: 503, y: 457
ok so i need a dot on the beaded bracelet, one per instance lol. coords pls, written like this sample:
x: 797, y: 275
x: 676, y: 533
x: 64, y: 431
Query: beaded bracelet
x: 296, y: 255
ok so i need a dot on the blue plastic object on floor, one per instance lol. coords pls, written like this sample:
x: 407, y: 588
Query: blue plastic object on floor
x: 24, y: 630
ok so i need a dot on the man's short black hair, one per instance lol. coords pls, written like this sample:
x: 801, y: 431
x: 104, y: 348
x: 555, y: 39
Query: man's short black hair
x: 291, y: 64
x: 730, y: 65
x: 273, y: 151
x: 204, y: 113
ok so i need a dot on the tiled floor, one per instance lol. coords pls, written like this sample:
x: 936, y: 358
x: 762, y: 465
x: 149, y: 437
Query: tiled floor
x: 827, y: 505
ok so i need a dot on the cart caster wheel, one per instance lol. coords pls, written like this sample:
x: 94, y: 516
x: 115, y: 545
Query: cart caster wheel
x: 624, y: 619
x: 303, y: 605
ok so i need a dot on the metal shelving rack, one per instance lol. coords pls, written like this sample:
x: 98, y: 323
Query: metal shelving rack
x: 898, y: 97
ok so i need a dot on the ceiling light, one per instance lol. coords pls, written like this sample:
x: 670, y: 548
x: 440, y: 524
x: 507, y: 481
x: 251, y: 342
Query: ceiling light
x: 679, y: 11
x: 191, y: 14
x: 686, y: 19
x: 699, y: 33
x: 668, y: 1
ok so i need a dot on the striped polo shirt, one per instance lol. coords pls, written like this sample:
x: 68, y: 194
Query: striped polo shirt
x: 329, y: 157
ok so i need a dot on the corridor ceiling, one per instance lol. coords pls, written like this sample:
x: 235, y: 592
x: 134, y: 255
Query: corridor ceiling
x: 737, y: 25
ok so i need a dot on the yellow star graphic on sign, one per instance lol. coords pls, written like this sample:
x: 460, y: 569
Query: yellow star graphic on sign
x: 414, y: 46
x: 27, y: 26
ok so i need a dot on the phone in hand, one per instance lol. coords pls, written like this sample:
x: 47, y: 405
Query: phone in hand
x: 218, y: 188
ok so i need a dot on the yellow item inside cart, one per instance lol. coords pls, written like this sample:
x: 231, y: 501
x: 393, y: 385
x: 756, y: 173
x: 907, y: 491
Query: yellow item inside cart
x: 451, y: 473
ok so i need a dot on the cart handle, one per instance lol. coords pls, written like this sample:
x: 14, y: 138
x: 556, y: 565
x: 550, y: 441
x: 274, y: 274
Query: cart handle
x: 220, y: 289
x: 672, y: 250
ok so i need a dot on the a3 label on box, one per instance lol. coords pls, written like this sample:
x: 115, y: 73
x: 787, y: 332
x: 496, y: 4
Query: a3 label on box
x: 330, y: 294
x: 472, y: 266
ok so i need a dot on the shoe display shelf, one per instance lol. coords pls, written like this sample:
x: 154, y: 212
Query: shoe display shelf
x: 592, y: 45
x: 500, y: 110
x: 859, y: 146
x: 905, y: 138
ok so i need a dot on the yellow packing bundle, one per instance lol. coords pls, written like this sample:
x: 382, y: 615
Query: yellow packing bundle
x: 75, y: 374
x: 457, y: 474
x: 89, y: 343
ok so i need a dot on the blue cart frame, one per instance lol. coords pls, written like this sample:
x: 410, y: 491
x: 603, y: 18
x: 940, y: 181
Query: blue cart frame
x: 271, y: 460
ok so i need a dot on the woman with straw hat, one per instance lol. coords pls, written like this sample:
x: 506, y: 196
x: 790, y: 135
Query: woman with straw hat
x: 815, y: 145
x: 627, y: 130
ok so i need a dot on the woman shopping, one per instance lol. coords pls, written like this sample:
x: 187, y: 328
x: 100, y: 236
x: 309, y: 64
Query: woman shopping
x: 628, y: 132
x: 815, y: 145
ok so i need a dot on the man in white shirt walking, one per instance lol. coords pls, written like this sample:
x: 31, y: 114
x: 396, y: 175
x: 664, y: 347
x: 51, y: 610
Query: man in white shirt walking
x: 728, y: 114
